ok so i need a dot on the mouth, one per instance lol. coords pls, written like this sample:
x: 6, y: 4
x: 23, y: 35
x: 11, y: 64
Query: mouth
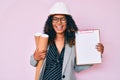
x: 59, y: 28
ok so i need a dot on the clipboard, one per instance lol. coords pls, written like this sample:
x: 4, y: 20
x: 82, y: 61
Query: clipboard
x: 85, y: 46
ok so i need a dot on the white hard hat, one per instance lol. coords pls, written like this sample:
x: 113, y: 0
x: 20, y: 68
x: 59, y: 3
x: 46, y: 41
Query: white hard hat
x: 59, y: 8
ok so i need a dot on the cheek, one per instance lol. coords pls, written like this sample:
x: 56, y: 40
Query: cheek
x: 53, y: 24
x: 65, y: 26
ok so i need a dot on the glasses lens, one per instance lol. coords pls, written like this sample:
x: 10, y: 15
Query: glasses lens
x: 63, y: 19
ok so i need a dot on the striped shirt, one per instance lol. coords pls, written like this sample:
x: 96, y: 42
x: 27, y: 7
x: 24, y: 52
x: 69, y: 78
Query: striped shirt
x: 54, y: 61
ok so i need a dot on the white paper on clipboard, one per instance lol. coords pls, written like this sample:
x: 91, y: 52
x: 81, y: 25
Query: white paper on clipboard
x: 86, y: 52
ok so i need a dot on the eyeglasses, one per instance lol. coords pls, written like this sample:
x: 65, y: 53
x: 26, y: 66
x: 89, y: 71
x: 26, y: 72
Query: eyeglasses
x: 55, y: 19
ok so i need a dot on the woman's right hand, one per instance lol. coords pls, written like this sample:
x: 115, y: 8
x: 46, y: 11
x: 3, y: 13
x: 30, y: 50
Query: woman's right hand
x: 39, y: 55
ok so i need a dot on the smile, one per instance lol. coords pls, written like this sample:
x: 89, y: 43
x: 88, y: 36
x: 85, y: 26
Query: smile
x: 59, y: 27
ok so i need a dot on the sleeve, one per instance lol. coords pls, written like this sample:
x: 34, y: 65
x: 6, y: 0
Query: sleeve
x: 33, y: 62
x: 79, y: 68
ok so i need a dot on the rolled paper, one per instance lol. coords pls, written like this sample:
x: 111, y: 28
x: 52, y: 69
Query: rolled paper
x: 41, y: 44
x: 37, y: 37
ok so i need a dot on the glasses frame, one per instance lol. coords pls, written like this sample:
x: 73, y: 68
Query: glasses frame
x: 56, y: 20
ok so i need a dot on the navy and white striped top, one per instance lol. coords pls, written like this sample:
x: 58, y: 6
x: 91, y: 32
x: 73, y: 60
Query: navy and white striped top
x: 54, y: 62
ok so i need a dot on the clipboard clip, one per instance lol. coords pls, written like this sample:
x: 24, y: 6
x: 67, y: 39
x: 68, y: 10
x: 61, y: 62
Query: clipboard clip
x: 87, y: 31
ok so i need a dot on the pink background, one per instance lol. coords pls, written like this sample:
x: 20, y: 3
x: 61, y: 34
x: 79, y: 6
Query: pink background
x: 20, y: 19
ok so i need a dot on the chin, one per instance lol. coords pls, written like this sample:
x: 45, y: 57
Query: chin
x: 59, y: 32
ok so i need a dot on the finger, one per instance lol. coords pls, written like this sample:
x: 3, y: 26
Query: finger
x: 37, y: 49
x: 98, y: 45
x: 42, y: 53
x: 43, y: 56
x: 100, y: 49
x: 44, y: 50
x: 101, y: 45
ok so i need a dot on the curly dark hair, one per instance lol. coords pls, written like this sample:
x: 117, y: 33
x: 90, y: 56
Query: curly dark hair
x: 69, y: 32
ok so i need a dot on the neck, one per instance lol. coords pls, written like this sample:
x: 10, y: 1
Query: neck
x: 60, y: 37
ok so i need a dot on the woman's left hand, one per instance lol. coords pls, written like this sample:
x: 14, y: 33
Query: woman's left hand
x: 100, y: 48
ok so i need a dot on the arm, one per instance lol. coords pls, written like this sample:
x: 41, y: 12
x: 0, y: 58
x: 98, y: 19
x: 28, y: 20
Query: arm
x: 36, y: 57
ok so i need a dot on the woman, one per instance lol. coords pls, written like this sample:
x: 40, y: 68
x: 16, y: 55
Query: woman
x: 59, y: 63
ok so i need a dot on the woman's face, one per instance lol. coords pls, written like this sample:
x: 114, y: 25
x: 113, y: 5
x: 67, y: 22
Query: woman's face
x: 59, y: 23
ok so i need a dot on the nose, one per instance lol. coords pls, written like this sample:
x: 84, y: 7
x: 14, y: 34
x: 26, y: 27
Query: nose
x: 59, y: 21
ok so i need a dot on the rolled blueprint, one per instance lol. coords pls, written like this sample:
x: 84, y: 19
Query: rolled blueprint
x: 41, y: 41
